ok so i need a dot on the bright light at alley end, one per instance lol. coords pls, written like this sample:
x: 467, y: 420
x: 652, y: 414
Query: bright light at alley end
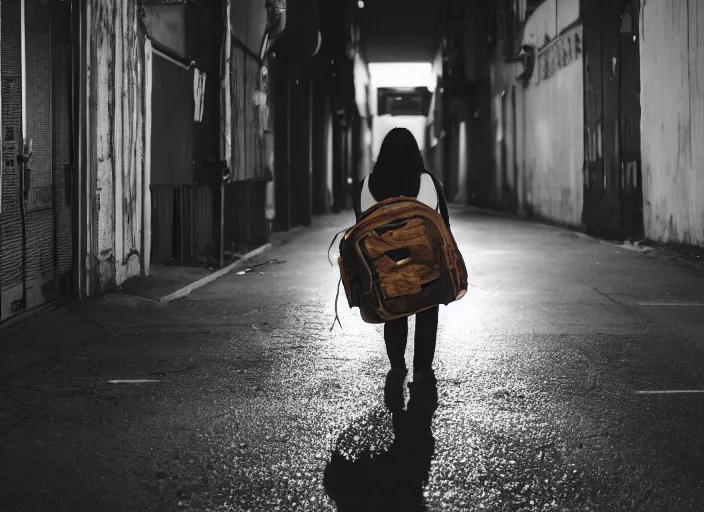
x: 360, y: 4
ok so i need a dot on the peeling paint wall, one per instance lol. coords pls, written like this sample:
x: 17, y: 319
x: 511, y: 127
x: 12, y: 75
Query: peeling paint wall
x: 115, y: 142
x: 672, y: 122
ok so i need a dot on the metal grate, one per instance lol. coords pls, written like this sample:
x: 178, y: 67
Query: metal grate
x: 248, y: 119
x: 10, y: 218
x: 38, y: 101
x: 61, y: 164
x: 39, y: 229
x: 197, y: 217
x: 245, y: 223
x: 162, y: 224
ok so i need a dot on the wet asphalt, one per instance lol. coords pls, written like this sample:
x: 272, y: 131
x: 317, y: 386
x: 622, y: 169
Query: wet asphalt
x: 255, y: 404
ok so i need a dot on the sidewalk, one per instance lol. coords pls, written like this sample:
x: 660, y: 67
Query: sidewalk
x: 681, y: 254
x: 38, y: 340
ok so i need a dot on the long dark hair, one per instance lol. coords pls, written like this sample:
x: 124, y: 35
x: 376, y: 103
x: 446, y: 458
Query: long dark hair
x: 398, y: 167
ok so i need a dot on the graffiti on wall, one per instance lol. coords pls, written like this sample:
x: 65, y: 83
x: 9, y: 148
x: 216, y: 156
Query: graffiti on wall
x: 559, y: 53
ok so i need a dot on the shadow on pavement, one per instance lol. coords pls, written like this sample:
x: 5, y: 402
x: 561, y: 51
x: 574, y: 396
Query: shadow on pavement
x: 393, y: 479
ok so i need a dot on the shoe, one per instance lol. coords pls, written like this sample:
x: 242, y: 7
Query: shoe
x: 425, y: 378
x: 423, y: 391
x: 393, y: 389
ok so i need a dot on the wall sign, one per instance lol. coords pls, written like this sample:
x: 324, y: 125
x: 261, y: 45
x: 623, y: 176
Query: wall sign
x: 559, y: 53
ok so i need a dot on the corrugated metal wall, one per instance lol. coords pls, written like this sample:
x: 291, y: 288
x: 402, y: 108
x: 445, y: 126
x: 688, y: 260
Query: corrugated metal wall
x: 245, y: 221
x: 672, y: 124
x: 162, y: 228
x: 197, y: 213
x: 64, y: 168
x: 172, y: 166
x: 245, y: 225
x: 39, y: 231
x: 11, y: 232
x: 35, y: 241
x: 248, y: 120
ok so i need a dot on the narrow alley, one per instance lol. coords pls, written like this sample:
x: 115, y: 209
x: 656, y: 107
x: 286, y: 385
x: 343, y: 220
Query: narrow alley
x: 541, y: 371
x: 173, y: 173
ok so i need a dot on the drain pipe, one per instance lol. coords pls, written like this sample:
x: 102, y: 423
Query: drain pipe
x: 225, y: 119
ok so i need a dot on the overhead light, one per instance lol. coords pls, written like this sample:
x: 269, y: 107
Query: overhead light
x: 360, y: 4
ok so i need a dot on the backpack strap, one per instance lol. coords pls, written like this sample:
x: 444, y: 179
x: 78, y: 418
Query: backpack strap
x: 357, y: 197
x: 337, y: 317
x: 442, y: 201
x: 337, y: 296
x: 332, y: 243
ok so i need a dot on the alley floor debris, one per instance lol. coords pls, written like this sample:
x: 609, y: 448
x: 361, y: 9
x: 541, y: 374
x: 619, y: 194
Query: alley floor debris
x: 238, y: 397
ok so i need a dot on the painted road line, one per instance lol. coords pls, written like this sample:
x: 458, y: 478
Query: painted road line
x: 178, y: 294
x: 132, y: 381
x: 669, y: 392
x: 673, y: 304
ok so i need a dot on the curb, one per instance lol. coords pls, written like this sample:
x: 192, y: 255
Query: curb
x: 634, y: 247
x: 178, y: 294
x: 627, y: 246
x: 45, y: 309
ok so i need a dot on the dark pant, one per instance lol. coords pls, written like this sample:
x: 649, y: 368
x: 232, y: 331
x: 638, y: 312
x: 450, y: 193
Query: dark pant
x: 396, y: 336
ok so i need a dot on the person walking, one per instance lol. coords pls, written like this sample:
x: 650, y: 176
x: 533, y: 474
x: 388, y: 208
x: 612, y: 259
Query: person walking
x: 400, y: 171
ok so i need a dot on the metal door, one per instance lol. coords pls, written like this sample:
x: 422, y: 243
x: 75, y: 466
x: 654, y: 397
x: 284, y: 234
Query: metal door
x: 594, y: 181
x: 631, y: 190
x: 36, y: 245
x: 602, y: 195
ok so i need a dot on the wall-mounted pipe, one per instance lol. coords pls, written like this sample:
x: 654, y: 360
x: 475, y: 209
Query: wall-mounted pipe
x: 225, y: 118
x: 276, y: 14
x: 159, y: 48
x: 166, y: 56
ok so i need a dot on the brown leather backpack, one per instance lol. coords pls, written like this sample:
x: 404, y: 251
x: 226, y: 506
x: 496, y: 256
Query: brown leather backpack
x: 398, y: 260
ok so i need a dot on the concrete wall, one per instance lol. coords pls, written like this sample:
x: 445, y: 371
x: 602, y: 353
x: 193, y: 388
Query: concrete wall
x: 672, y: 123
x: 114, y: 143
x: 539, y: 129
x: 554, y: 146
